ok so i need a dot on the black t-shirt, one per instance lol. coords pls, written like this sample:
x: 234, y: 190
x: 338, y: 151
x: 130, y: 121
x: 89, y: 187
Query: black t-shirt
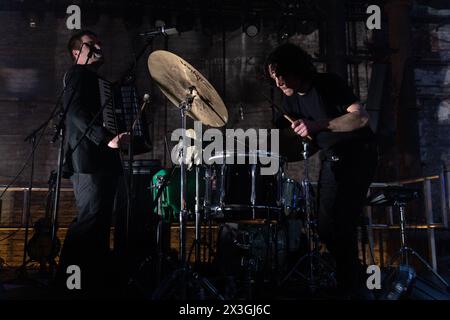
x: 328, y: 98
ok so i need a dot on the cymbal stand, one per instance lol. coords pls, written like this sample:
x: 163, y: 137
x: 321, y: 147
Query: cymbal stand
x: 313, y: 258
x: 208, y: 238
x: 162, y: 183
x: 184, y: 275
x: 206, y: 241
x: 197, y: 216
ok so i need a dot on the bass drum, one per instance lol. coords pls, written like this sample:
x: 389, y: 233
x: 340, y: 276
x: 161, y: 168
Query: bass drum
x: 252, y: 251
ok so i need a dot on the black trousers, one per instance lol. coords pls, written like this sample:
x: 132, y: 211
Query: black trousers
x: 342, y: 191
x: 87, y: 241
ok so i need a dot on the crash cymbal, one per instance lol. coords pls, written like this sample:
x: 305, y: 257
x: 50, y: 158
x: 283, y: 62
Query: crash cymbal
x: 175, y: 76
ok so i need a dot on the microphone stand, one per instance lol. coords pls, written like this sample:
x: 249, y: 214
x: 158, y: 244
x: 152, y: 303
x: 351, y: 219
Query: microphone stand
x: 60, y: 130
x: 32, y: 137
x: 126, y: 79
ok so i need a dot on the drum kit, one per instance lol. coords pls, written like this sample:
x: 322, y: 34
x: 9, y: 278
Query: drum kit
x: 251, y: 208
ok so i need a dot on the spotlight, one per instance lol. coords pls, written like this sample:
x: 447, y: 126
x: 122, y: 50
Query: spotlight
x: 160, y: 23
x: 287, y: 26
x: 33, y: 12
x: 251, y: 25
x: 160, y: 17
x: 33, y: 19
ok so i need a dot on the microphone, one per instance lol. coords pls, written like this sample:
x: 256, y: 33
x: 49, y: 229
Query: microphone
x: 146, y: 100
x: 160, y: 30
x: 94, y: 51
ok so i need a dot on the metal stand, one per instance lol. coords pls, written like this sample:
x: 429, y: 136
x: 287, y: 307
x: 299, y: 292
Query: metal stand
x: 197, y: 217
x: 61, y: 133
x: 163, y: 181
x: 184, y: 276
x: 404, y: 263
x: 22, y: 271
x: 313, y: 258
x: 196, y: 245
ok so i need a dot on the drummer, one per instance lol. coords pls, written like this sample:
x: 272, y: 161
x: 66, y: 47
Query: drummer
x: 328, y: 111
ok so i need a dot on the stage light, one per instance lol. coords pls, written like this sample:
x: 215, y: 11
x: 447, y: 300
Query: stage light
x: 251, y: 25
x: 287, y: 26
x: 33, y: 12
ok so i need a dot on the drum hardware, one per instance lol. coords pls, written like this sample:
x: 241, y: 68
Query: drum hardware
x: 404, y: 274
x: 250, y: 253
x: 315, y: 264
x: 163, y: 181
x: 194, y: 95
x: 249, y: 263
x: 196, y: 244
x: 207, y: 212
x: 150, y: 268
x: 197, y: 217
x: 291, y: 197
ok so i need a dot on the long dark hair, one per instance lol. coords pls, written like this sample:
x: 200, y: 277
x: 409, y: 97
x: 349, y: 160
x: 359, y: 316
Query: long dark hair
x: 289, y: 59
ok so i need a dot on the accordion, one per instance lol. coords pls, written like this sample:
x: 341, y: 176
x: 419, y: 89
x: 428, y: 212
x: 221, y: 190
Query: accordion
x: 121, y: 109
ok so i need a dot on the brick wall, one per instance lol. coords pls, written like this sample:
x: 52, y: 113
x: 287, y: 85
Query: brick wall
x: 31, y: 79
x: 33, y: 62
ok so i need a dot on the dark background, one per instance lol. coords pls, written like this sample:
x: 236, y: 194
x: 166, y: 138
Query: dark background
x: 401, y: 72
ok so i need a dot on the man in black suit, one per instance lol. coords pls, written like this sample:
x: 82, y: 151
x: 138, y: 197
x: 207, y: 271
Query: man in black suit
x: 93, y: 165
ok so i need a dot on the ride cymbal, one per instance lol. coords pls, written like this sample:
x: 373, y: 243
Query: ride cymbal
x: 175, y: 77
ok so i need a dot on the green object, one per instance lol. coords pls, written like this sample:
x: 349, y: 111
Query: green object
x: 170, y: 197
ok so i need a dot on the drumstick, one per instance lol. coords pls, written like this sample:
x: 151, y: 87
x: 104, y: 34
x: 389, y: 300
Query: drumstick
x: 286, y: 116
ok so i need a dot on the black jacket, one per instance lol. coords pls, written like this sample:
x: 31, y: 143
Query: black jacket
x: 82, y: 98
